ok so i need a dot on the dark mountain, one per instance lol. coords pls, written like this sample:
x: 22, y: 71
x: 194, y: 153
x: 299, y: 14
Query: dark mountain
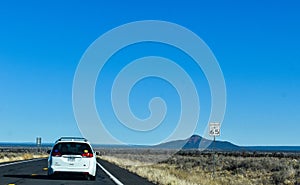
x: 198, y: 142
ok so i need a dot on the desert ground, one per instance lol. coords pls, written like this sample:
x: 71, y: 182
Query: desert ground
x: 208, y: 168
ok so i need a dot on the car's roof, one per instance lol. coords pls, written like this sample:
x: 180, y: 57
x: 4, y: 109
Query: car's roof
x: 72, y: 139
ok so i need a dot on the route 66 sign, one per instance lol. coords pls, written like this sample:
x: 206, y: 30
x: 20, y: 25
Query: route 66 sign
x: 214, y: 129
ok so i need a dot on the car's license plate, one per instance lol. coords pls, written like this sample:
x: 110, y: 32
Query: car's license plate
x: 71, y: 159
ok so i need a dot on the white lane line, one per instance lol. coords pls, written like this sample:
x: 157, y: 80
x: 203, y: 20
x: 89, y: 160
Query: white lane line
x: 110, y: 175
x: 19, y: 162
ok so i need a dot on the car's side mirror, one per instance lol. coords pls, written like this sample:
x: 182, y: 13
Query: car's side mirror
x: 48, y: 151
x: 98, y: 153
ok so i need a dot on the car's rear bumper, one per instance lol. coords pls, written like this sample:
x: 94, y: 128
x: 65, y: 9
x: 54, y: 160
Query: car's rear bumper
x: 57, y: 166
x: 90, y: 171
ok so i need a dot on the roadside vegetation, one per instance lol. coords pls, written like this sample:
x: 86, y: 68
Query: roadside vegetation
x: 195, y: 167
x: 13, y: 154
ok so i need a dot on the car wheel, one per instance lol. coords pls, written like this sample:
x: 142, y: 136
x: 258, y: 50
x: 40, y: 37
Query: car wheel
x: 51, y: 176
x: 92, y: 178
x: 87, y: 177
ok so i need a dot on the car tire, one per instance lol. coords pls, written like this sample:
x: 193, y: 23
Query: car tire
x: 89, y: 177
x: 51, y: 176
x: 92, y: 178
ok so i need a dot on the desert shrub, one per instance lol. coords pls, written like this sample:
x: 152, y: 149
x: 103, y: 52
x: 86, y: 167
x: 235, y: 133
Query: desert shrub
x: 27, y: 156
x: 8, y: 155
x: 284, y: 177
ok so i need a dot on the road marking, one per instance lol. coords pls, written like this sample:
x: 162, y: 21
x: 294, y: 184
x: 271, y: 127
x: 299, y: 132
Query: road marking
x: 110, y: 175
x: 19, y: 162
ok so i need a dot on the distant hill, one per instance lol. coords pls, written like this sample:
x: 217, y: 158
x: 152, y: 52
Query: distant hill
x: 196, y: 142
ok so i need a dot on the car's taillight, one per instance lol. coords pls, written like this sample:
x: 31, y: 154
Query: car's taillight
x: 56, y: 153
x: 87, y: 155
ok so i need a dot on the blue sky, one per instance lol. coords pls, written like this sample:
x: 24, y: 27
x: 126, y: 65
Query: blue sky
x: 256, y: 44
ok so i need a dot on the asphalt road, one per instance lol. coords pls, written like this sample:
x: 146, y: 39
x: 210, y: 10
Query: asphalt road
x: 34, y: 173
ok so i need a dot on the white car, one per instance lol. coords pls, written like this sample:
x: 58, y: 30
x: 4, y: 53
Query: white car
x: 72, y: 155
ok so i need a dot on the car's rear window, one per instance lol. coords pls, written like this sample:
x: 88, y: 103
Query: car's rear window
x: 72, y: 148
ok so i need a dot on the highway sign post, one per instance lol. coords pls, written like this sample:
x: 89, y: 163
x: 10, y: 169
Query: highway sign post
x: 214, y: 131
x: 38, y: 143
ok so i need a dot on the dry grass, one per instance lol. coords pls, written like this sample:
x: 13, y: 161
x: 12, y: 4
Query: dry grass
x: 189, y: 169
x: 12, y: 156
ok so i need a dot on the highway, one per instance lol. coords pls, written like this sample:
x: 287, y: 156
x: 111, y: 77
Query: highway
x: 34, y: 172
